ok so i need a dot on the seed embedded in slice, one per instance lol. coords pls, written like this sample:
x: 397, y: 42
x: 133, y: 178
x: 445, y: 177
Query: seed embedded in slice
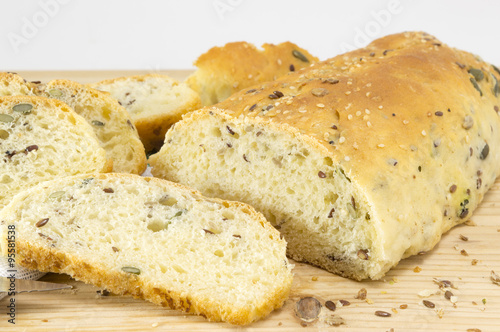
x: 131, y: 269
x: 23, y: 108
x: 6, y: 118
x: 56, y: 93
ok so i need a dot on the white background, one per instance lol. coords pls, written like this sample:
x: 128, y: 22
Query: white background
x: 154, y: 34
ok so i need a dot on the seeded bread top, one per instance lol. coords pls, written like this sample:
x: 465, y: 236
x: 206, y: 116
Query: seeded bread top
x: 235, y: 66
x: 381, y: 111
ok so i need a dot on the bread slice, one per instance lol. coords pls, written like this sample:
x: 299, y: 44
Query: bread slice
x: 109, y: 120
x: 41, y: 139
x: 360, y: 160
x: 154, y: 102
x: 155, y: 240
x: 225, y: 70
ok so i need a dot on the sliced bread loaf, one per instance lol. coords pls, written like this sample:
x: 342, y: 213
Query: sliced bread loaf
x: 154, y: 103
x: 41, y: 139
x: 109, y: 120
x: 155, y: 240
x: 360, y: 160
x: 225, y: 70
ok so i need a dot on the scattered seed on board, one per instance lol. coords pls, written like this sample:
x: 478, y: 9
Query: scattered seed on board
x: 308, y: 309
x: 345, y: 303
x: 448, y: 294
x: 361, y: 294
x: 464, y: 238
x: 429, y: 304
x: 382, y: 313
x: 330, y: 305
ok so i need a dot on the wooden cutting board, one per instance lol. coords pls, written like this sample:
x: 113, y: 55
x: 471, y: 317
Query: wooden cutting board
x: 465, y: 256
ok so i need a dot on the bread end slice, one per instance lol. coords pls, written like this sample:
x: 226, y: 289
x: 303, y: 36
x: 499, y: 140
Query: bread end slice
x: 154, y: 240
x: 154, y: 102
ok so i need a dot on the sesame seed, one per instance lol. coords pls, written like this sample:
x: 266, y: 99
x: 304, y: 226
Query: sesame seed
x: 380, y: 107
x: 288, y: 102
x: 368, y: 94
x: 250, y: 76
x: 320, y: 105
x: 341, y: 139
x: 347, y: 93
x: 424, y: 133
x: 358, y: 113
x: 279, y: 62
x: 367, y: 111
x: 349, y: 117
x: 349, y: 82
x: 346, y: 158
x: 368, y: 124
x: 381, y: 145
x: 368, y: 85
x: 406, y: 122
x: 366, y: 117
x: 355, y: 146
x: 302, y: 111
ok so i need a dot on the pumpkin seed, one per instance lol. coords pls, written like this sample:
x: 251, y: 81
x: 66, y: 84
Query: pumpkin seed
x: 474, y: 83
x: 98, y: 123
x: 299, y: 56
x: 4, y: 134
x: 178, y: 214
x: 23, y: 108
x: 477, y: 73
x: 56, y: 93
x: 168, y: 201
x: 496, y: 88
x: 496, y: 69
x: 57, y: 194
x: 6, y: 118
x: 131, y: 269
x: 484, y: 152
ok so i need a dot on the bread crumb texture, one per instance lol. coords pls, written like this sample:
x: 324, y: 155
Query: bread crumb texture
x: 42, y: 139
x: 154, y: 240
x: 110, y: 121
x: 360, y: 160
x: 154, y: 103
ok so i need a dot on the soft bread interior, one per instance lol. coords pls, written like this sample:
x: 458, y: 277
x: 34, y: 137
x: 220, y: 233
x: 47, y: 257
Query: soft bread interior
x: 321, y: 212
x: 216, y: 258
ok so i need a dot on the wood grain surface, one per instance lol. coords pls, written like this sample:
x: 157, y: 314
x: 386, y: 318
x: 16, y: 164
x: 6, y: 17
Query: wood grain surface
x: 465, y: 256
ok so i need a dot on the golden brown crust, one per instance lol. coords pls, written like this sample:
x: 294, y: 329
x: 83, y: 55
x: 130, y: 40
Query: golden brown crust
x: 50, y: 259
x: 235, y: 66
x: 413, y: 123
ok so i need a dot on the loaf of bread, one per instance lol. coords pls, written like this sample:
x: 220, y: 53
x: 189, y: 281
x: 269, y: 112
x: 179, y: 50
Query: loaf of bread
x: 155, y: 240
x: 109, y: 120
x: 225, y: 70
x: 360, y: 160
x: 153, y: 101
x: 42, y: 139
